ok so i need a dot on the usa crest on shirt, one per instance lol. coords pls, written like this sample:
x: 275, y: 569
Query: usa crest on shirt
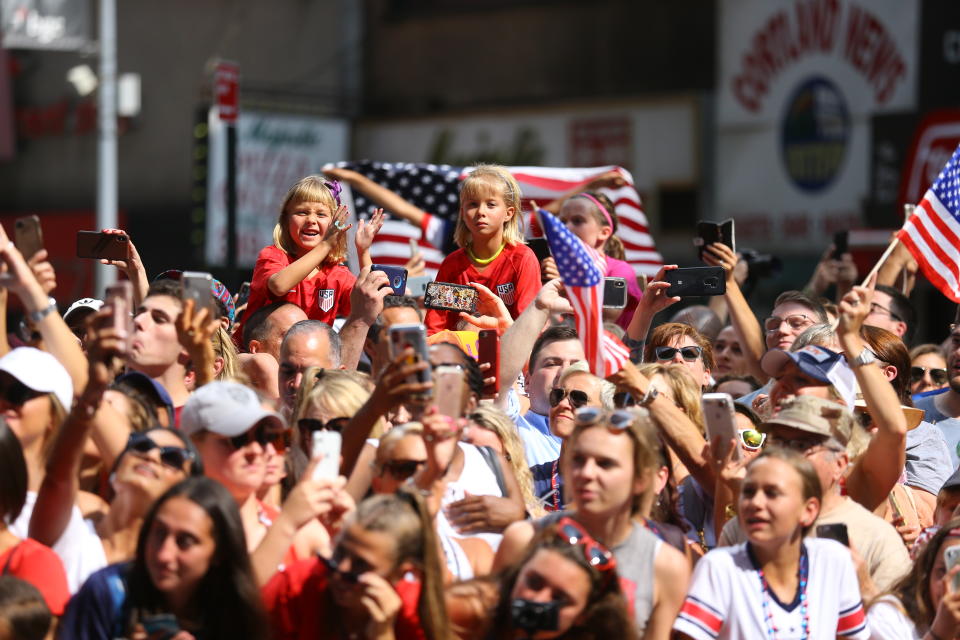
x: 325, y: 298
x: 505, y: 291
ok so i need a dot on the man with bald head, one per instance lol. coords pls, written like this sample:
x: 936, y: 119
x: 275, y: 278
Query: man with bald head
x: 308, y: 343
x: 264, y: 330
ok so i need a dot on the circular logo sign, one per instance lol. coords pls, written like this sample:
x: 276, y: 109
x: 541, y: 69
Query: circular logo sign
x: 814, y: 135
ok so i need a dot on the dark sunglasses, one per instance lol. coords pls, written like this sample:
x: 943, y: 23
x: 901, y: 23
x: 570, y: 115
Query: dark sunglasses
x: 174, y: 457
x: 939, y: 376
x: 263, y: 435
x: 402, y: 469
x: 334, y: 569
x: 617, y: 420
x: 668, y: 353
x: 17, y: 393
x: 595, y: 554
x: 624, y: 399
x: 577, y: 398
x: 312, y: 424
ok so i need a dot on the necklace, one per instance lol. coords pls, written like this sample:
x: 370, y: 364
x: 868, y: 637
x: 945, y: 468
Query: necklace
x: 804, y: 612
x: 485, y: 261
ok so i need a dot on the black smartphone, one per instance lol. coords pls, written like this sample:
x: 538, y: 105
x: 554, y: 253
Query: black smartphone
x: 614, y: 293
x: 836, y: 531
x: 841, y: 244
x: 244, y: 294
x: 531, y: 616
x: 396, y: 275
x: 696, y: 281
x: 710, y: 232
x: 27, y: 236
x: 95, y: 244
x: 488, y: 350
x: 447, y: 296
x: 540, y: 248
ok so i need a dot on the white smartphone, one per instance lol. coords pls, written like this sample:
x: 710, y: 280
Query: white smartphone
x: 198, y: 285
x: 720, y: 420
x: 951, y: 558
x: 326, y: 446
x: 448, y: 390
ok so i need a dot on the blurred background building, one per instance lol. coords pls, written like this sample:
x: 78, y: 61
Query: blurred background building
x: 798, y: 118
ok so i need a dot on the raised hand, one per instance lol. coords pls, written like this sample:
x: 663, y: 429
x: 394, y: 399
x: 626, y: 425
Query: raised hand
x: 492, y: 313
x: 367, y: 231
x: 338, y: 226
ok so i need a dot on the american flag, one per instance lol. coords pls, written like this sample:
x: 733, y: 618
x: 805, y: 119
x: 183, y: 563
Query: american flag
x: 932, y: 232
x: 435, y: 188
x: 581, y: 269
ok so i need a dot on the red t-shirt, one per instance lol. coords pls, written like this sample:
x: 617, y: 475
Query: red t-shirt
x: 299, y: 607
x: 322, y: 297
x: 514, y: 276
x: 39, y: 565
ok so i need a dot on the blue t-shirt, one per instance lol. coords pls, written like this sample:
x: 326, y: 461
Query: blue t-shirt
x: 96, y: 611
x: 949, y: 427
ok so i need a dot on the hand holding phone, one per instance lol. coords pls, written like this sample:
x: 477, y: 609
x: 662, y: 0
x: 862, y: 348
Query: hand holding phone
x: 397, y: 276
x: 447, y: 296
x: 198, y: 286
x: 720, y: 422
x: 326, y: 446
x: 696, y: 281
x: 102, y: 246
x: 28, y: 236
x: 402, y: 336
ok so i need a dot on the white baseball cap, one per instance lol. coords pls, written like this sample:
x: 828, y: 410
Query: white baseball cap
x: 83, y: 303
x: 225, y: 408
x: 41, y: 372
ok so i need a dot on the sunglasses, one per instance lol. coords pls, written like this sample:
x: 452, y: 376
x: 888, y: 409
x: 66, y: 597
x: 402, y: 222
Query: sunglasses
x: 312, y: 424
x: 796, y: 322
x: 174, y: 457
x: 402, y: 469
x: 595, y: 554
x: 577, y: 398
x: 624, y: 399
x: 17, y: 393
x: 617, y: 420
x: 689, y: 354
x: 263, y: 435
x: 334, y: 568
x: 939, y: 376
x: 751, y: 439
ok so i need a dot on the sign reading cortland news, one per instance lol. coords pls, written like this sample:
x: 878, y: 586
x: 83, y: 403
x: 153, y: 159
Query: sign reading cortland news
x: 274, y: 151
x: 799, y: 80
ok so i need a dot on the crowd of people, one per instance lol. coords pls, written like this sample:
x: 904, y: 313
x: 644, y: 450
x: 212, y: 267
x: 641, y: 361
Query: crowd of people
x: 298, y: 464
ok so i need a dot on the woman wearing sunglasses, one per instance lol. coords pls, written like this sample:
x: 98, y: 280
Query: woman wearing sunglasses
x: 564, y: 586
x: 190, y: 577
x: 383, y: 579
x: 779, y: 583
x: 928, y: 370
x: 681, y: 344
x: 610, y: 463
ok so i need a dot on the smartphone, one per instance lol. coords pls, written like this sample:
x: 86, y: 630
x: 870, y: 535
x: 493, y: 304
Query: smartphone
x: 396, y: 275
x: 719, y: 418
x: 531, y: 616
x: 710, y: 232
x: 614, y: 293
x: 27, y: 236
x: 119, y: 297
x: 198, y: 286
x: 161, y: 626
x: 448, y: 390
x: 841, y: 244
x: 836, y: 531
x: 488, y: 347
x: 696, y: 281
x: 447, y: 296
x: 326, y: 445
x: 894, y: 506
x: 951, y: 557
x: 418, y: 285
x: 411, y: 335
x: 414, y: 247
x: 243, y: 295
x: 109, y: 246
x: 540, y: 248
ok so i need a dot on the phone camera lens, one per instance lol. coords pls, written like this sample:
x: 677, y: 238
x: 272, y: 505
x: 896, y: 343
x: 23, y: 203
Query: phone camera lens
x: 710, y: 282
x: 396, y: 282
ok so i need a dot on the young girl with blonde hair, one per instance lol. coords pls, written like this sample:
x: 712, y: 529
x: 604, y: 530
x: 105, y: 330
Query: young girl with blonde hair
x: 304, y: 264
x: 492, y: 253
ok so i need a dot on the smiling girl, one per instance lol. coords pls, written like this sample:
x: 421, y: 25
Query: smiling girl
x: 491, y: 251
x: 303, y: 265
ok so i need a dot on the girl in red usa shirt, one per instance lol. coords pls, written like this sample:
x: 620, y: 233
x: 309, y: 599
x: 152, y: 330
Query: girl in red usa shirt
x: 491, y: 251
x: 303, y: 265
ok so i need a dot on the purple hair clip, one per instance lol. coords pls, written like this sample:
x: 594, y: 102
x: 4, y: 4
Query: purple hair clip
x: 335, y: 189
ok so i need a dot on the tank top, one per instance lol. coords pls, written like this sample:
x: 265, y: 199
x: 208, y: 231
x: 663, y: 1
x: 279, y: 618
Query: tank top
x: 635, y: 557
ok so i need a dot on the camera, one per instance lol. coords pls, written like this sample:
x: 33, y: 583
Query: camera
x: 533, y: 616
x: 761, y: 265
x: 397, y: 282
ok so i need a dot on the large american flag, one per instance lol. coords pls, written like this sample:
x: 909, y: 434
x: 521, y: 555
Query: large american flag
x: 932, y: 232
x: 435, y: 189
x: 581, y: 269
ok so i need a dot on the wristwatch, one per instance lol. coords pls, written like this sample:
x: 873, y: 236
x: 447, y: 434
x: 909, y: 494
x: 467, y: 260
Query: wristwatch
x: 866, y: 357
x: 37, y: 316
x: 649, y: 396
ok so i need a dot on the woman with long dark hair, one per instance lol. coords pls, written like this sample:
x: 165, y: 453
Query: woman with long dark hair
x: 191, y: 576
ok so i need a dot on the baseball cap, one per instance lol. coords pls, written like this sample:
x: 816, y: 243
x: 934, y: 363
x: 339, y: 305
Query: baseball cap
x: 814, y: 415
x: 148, y: 386
x: 91, y: 304
x: 817, y: 362
x: 226, y: 408
x: 41, y: 372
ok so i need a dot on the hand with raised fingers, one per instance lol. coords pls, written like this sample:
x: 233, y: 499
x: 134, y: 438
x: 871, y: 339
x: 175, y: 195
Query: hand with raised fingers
x: 132, y: 264
x: 107, y: 346
x: 492, y: 313
x: 416, y: 265
x: 367, y: 230
x: 195, y: 331
x: 338, y: 226
x: 854, y: 307
x: 655, y: 298
x: 551, y: 299
x: 366, y: 298
x: 398, y: 382
x: 717, y: 254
